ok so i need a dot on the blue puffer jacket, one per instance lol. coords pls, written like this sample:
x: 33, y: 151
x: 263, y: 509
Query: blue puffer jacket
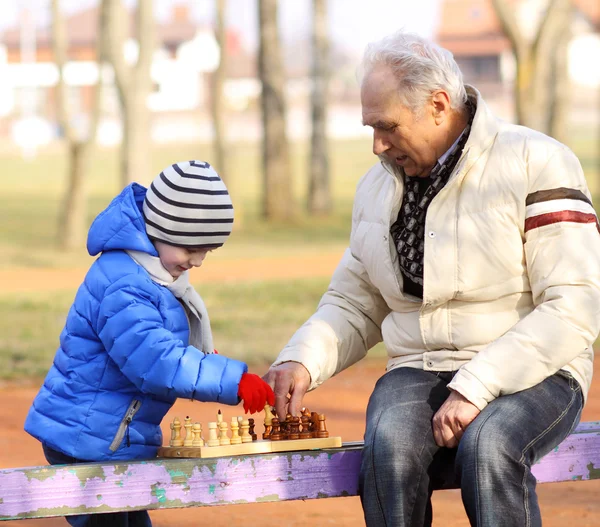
x: 124, y: 356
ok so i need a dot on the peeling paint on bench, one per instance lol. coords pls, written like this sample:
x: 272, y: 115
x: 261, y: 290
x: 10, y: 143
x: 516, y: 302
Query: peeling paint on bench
x: 38, y: 492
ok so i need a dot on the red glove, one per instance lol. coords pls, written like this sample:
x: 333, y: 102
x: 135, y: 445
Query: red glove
x: 255, y: 393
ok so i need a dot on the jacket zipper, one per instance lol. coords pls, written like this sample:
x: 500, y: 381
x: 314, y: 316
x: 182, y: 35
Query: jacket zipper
x: 124, y: 426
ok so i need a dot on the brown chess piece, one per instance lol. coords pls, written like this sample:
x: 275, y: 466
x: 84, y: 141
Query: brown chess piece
x: 306, y: 433
x: 314, y: 423
x: 276, y: 434
x: 294, y: 428
x: 322, y: 432
x: 251, y: 431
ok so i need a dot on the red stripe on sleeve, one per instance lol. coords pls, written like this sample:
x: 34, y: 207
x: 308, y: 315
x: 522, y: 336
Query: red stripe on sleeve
x: 556, y: 217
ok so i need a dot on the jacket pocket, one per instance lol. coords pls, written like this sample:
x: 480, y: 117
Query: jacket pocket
x: 124, y: 425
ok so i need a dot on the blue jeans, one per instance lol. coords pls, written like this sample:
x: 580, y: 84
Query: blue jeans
x: 402, y: 465
x: 110, y: 519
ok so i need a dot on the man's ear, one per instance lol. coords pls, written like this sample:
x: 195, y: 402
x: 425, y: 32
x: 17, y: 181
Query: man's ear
x: 440, y: 102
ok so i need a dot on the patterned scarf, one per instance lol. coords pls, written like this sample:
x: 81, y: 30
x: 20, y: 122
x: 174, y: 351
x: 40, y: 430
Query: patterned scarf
x: 408, y: 232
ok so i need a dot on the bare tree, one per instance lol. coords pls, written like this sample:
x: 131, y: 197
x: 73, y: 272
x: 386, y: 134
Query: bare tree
x: 536, y: 60
x: 278, y: 201
x: 134, y: 82
x: 216, y: 95
x: 319, y: 192
x: 558, y: 122
x: 72, y: 216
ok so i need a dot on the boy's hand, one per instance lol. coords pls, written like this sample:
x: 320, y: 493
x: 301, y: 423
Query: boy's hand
x: 255, y: 393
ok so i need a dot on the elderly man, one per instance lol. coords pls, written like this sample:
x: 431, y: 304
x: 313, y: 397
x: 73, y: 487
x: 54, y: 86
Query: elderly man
x: 475, y: 256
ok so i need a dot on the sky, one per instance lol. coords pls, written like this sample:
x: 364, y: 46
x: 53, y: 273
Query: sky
x: 353, y: 23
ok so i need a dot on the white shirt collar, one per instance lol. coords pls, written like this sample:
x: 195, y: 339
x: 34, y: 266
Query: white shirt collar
x: 445, y: 155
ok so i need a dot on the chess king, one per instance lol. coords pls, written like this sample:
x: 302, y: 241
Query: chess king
x: 475, y: 256
x: 138, y: 335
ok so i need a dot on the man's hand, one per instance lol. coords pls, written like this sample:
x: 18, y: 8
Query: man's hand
x: 452, y: 419
x: 289, y: 378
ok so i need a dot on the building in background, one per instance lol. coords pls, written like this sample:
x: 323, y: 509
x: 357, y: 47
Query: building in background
x: 185, y: 54
x: 471, y: 30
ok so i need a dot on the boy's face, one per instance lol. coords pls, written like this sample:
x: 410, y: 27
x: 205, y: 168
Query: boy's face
x: 177, y: 260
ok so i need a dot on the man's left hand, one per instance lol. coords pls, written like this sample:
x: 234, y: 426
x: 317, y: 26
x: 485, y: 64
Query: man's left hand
x: 452, y: 419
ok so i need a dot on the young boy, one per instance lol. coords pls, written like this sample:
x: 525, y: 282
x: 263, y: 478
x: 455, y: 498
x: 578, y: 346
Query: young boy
x: 137, y: 336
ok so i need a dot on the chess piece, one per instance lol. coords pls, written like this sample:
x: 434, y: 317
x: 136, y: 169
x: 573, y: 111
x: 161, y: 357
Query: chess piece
x: 177, y: 440
x: 213, y: 439
x: 251, y: 431
x: 219, y: 419
x: 246, y: 437
x: 306, y: 433
x: 235, y: 436
x: 197, y: 435
x: 293, y: 428
x: 172, y: 434
x: 188, y: 431
x: 314, y: 423
x: 268, y: 422
x: 276, y: 434
x: 223, y: 437
x: 322, y: 431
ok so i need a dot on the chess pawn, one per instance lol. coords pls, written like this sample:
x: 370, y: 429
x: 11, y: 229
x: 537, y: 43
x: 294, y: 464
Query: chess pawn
x: 268, y: 422
x: 189, y: 439
x: 276, y: 434
x: 213, y: 440
x: 223, y: 437
x: 306, y: 412
x: 177, y: 440
x: 293, y: 428
x: 235, y: 436
x: 197, y: 435
x: 314, y: 423
x: 305, y: 434
x: 322, y: 432
x: 246, y: 437
x: 251, y: 431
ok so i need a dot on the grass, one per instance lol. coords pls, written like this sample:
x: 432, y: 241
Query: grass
x: 31, y: 199
x: 251, y: 322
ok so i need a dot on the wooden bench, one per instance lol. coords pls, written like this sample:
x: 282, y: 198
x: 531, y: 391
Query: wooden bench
x: 41, y: 492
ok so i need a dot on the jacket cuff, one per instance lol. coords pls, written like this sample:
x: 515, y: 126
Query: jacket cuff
x: 471, y: 388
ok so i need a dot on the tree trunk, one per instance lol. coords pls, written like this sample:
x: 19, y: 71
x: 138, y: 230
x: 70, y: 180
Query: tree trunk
x: 319, y: 192
x: 558, y: 125
x: 133, y: 84
x: 217, y: 106
x: 535, y: 60
x: 278, y: 203
x: 72, y: 223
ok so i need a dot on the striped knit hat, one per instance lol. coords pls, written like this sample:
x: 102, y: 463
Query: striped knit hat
x: 187, y: 205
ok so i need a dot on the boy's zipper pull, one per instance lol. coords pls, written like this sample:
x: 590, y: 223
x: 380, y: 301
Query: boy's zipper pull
x: 128, y: 420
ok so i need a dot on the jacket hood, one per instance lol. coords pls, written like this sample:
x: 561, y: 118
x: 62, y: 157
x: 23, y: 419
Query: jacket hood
x: 121, y: 225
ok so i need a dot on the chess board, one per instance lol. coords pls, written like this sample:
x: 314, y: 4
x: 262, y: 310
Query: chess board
x: 308, y: 432
x: 261, y: 446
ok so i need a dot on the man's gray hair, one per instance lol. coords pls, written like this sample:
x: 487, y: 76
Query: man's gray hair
x: 420, y: 66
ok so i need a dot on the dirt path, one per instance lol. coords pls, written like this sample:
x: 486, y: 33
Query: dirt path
x: 343, y: 399
x: 15, y: 280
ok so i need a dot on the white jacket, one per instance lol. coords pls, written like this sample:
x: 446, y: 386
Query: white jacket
x: 511, y: 272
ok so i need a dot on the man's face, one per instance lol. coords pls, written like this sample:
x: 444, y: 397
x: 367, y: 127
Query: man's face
x: 400, y: 137
x: 177, y: 260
